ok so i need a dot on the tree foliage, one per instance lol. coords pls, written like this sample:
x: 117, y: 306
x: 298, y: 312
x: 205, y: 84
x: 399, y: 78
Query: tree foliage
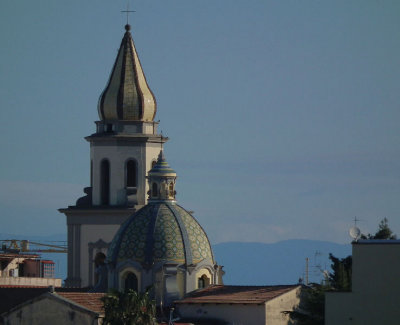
x: 311, y: 310
x: 340, y: 278
x: 129, y: 308
x: 383, y: 232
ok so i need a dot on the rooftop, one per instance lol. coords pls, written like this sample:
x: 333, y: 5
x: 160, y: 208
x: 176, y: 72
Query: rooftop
x: 91, y: 301
x: 225, y: 294
x: 12, y: 296
x: 377, y: 242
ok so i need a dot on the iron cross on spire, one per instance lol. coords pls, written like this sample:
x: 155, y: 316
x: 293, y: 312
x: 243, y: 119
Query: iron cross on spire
x: 127, y: 12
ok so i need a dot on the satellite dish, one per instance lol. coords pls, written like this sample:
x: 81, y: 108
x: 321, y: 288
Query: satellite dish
x: 355, y: 233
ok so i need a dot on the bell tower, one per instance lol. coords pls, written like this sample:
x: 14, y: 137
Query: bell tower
x: 123, y: 149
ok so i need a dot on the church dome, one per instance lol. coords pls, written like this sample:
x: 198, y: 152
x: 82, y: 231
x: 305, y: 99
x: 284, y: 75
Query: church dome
x: 161, y: 232
x: 127, y: 95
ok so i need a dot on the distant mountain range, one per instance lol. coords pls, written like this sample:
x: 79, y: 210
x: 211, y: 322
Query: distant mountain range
x: 283, y: 262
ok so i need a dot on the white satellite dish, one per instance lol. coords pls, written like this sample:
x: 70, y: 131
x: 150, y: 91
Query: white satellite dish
x: 355, y: 233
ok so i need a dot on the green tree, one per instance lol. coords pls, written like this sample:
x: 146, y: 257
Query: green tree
x: 340, y: 278
x: 129, y: 308
x: 311, y: 310
x: 384, y: 232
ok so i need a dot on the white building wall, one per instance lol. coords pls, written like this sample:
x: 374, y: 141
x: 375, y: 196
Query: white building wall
x: 374, y: 298
x: 276, y: 307
x: 117, y: 155
x: 91, y: 234
x: 50, y: 311
x: 235, y: 314
x: 30, y: 281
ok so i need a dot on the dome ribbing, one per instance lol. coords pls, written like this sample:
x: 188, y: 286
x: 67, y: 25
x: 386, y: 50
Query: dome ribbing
x: 127, y: 95
x: 161, y: 232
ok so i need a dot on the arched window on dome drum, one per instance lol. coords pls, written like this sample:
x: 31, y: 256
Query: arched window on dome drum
x: 131, y: 282
x: 105, y: 182
x: 203, y: 282
x: 154, y: 190
x: 131, y: 173
x: 171, y: 189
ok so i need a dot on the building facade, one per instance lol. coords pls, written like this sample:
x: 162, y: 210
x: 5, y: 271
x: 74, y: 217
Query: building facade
x: 19, y: 269
x: 240, y: 305
x: 162, y: 246
x: 375, y: 287
x: 123, y: 148
x: 46, y: 306
x: 132, y: 189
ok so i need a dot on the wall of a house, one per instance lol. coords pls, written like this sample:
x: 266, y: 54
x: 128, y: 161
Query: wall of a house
x: 49, y: 311
x: 375, y: 287
x: 237, y: 314
x: 275, y: 308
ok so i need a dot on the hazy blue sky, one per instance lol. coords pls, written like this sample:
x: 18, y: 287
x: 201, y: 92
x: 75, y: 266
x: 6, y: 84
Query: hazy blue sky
x: 283, y: 116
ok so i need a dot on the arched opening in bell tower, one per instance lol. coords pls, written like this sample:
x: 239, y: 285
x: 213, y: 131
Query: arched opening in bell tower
x: 105, y: 182
x: 131, y: 173
x: 154, y: 190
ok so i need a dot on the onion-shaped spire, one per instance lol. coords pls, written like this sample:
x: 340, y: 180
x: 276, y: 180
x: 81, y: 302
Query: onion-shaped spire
x: 127, y: 95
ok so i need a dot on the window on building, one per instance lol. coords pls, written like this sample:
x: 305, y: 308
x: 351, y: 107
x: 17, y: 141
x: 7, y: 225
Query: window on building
x: 109, y: 128
x: 131, y: 173
x: 154, y: 190
x: 131, y: 282
x: 105, y: 182
x: 200, y: 283
x: 203, y: 282
x: 171, y: 190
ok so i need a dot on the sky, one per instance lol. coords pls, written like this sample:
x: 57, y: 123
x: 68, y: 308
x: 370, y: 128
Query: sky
x: 283, y: 116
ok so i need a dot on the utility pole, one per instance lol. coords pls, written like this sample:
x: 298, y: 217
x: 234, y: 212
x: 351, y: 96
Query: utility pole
x: 307, y: 260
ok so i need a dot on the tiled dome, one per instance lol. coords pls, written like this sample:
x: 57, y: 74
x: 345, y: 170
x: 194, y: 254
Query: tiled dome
x: 160, y: 232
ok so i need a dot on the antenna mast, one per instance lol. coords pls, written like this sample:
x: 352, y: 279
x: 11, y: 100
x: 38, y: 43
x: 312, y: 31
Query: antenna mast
x: 307, y: 260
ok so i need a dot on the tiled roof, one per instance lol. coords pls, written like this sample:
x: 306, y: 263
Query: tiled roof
x: 91, y: 301
x: 221, y: 294
x: 13, y: 296
x: 160, y: 231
